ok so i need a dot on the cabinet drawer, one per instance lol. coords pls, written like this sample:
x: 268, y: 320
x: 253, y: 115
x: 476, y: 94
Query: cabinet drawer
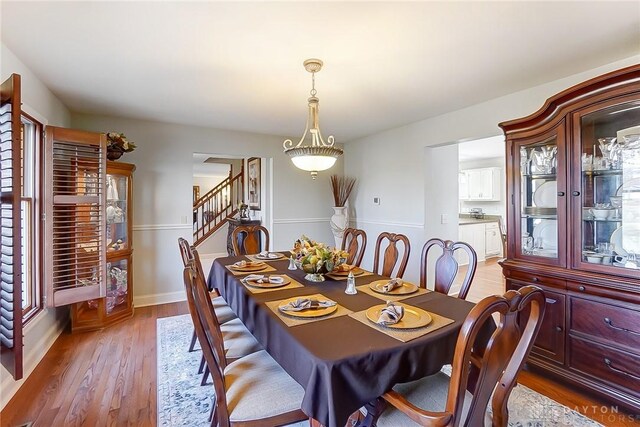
x: 619, y: 325
x: 536, y: 279
x: 605, y: 364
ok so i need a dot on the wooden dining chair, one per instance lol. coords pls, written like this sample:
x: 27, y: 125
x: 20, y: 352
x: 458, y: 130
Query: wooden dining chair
x: 489, y: 370
x: 222, y: 309
x: 446, y: 266
x: 391, y: 253
x: 354, y: 242
x: 250, y: 239
x: 252, y: 391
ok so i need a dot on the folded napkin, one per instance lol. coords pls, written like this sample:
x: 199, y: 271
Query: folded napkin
x: 240, y: 264
x: 392, y: 284
x: 391, y: 314
x: 267, y: 254
x: 307, y: 304
x: 260, y: 278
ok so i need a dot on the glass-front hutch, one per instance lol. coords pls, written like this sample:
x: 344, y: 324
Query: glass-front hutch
x: 574, y: 231
x: 118, y: 302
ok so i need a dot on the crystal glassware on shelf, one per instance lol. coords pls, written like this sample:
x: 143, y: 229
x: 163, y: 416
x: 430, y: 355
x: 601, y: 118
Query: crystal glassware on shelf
x: 608, y: 148
x: 587, y: 162
x: 545, y: 159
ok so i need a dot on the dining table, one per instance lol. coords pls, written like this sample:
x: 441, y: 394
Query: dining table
x: 343, y: 361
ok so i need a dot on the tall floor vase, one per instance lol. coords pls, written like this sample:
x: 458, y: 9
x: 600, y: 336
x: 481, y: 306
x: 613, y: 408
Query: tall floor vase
x: 339, y: 222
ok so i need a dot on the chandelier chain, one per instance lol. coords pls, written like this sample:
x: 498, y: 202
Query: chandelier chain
x: 313, y: 84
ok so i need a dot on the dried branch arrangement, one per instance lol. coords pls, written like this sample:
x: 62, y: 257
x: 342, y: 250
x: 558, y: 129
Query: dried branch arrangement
x: 341, y: 187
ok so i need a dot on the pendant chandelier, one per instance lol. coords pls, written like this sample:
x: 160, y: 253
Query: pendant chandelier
x: 316, y: 155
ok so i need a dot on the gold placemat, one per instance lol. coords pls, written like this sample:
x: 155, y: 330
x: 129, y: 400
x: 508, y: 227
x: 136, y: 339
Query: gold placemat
x: 404, y: 335
x: 294, y: 284
x: 334, y: 277
x: 295, y: 321
x: 255, y: 259
x: 384, y: 297
x: 269, y: 269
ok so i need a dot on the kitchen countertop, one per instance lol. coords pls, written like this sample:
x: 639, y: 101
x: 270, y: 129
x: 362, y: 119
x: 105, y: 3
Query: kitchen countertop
x: 465, y: 219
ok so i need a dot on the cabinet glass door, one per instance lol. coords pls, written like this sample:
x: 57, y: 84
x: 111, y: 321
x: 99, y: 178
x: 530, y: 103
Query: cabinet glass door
x: 609, y: 212
x: 117, y: 285
x: 539, y: 198
x: 117, y: 227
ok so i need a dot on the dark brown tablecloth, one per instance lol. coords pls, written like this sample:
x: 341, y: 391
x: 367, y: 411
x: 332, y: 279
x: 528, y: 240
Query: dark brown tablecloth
x: 340, y: 362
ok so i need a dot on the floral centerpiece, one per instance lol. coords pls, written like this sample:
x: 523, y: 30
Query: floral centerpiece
x: 316, y: 259
x: 117, y: 144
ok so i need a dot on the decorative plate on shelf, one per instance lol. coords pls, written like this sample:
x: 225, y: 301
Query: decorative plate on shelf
x: 547, y: 229
x: 413, y: 317
x: 616, y: 240
x: 546, y: 195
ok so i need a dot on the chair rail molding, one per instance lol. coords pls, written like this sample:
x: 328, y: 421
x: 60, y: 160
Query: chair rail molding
x: 300, y: 220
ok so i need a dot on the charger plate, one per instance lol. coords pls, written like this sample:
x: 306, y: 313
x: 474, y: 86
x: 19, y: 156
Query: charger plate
x: 413, y: 317
x: 357, y: 271
x: 268, y: 285
x: 251, y: 266
x: 270, y: 257
x: 405, y: 289
x: 308, y: 313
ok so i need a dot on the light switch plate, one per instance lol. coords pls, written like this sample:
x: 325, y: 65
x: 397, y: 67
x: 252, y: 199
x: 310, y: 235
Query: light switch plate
x: 376, y: 200
x: 444, y: 219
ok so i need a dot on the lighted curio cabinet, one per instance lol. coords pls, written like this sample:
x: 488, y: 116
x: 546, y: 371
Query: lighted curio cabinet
x: 118, y: 302
x: 573, y: 182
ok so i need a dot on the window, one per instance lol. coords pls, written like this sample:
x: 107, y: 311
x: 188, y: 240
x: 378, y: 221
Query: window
x: 31, y: 131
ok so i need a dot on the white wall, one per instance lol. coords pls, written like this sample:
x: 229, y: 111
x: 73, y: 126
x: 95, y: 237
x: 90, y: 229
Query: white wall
x: 41, y: 331
x: 207, y: 183
x: 491, y: 208
x: 163, y: 192
x: 389, y: 164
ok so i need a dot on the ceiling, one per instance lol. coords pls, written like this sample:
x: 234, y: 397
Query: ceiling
x: 202, y: 168
x: 238, y: 65
x: 485, y: 148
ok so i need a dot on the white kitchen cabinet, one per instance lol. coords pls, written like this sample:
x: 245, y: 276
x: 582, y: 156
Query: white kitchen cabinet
x: 483, y: 184
x: 474, y: 235
x: 493, y: 240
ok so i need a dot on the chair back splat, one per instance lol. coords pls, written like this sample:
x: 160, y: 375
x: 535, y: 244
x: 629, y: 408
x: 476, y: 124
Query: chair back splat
x: 391, y: 254
x: 446, y: 266
x: 354, y: 242
x: 250, y: 239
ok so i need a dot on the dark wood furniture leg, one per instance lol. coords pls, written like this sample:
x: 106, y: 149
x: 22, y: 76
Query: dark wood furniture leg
x: 374, y: 409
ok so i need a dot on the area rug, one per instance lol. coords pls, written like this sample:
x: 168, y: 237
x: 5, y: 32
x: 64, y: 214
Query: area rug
x: 182, y: 401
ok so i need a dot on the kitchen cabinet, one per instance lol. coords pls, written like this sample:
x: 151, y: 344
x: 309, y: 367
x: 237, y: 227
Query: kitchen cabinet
x: 573, y: 185
x: 493, y: 239
x: 482, y: 184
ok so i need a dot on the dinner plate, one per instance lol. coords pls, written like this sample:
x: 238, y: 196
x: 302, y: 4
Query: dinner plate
x: 616, y: 240
x: 357, y: 271
x: 406, y: 288
x: 546, y: 195
x: 251, y: 266
x: 413, y: 317
x: 308, y: 313
x: 547, y: 229
x: 270, y: 256
x: 268, y: 285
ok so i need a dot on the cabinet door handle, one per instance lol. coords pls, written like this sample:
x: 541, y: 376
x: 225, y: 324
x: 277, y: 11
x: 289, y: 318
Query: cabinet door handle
x: 617, y: 328
x: 560, y: 193
x: 576, y: 193
x: 551, y: 300
x: 620, y: 371
x: 559, y: 328
x: 535, y: 279
x: 581, y: 288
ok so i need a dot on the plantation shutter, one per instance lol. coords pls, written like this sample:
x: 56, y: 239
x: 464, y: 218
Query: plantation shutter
x: 10, y: 234
x: 74, y: 215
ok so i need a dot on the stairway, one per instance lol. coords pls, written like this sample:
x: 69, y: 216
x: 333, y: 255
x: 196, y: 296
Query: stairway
x: 211, y: 211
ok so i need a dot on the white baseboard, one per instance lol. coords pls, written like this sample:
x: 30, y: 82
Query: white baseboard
x: 10, y: 387
x: 155, y: 299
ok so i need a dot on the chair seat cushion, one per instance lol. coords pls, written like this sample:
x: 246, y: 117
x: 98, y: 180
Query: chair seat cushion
x: 238, y: 341
x: 429, y: 393
x: 223, y: 311
x: 257, y: 387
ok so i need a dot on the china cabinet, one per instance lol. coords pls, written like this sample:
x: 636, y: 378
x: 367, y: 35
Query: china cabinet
x: 118, y: 302
x: 573, y: 183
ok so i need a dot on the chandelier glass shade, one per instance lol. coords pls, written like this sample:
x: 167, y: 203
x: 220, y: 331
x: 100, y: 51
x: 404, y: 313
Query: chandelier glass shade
x: 312, y: 153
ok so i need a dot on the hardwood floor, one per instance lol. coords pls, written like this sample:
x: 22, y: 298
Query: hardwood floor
x: 108, y: 378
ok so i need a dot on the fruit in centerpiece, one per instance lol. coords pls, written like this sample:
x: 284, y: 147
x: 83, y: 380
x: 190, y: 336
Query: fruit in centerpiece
x: 316, y: 259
